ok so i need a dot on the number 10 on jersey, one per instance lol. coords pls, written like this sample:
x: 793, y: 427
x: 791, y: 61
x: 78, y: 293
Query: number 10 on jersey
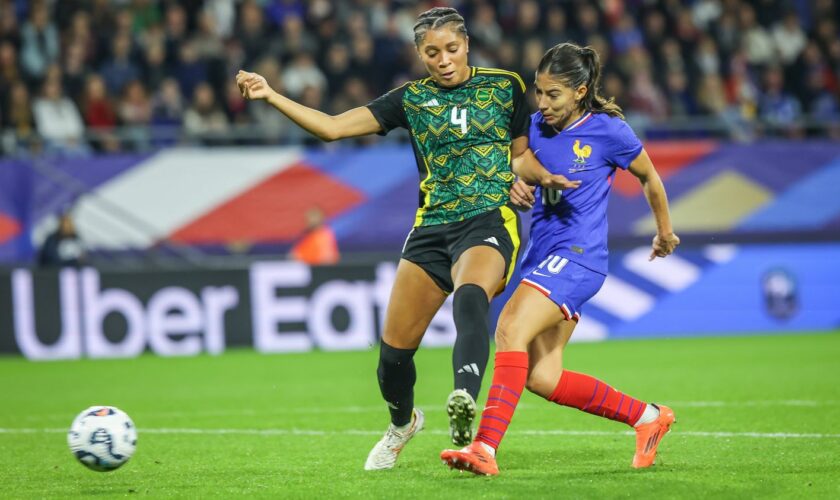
x: 459, y: 117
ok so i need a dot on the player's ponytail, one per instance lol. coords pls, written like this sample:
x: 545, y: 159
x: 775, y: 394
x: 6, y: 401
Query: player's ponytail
x: 576, y: 66
x: 435, y: 18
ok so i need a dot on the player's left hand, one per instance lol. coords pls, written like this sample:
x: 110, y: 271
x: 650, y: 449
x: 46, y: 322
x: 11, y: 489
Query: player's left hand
x: 558, y: 182
x: 522, y: 195
x: 664, y: 245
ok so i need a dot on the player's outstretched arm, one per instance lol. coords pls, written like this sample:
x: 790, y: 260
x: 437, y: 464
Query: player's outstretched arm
x: 665, y: 241
x: 352, y: 123
x: 529, y: 169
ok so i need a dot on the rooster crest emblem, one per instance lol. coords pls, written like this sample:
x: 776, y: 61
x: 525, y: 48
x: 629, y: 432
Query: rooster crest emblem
x: 582, y: 153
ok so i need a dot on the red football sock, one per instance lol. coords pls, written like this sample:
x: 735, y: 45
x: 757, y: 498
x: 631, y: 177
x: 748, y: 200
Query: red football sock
x: 509, y: 375
x: 589, y: 394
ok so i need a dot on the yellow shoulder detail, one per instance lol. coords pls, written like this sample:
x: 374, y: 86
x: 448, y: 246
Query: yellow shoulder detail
x: 496, y: 71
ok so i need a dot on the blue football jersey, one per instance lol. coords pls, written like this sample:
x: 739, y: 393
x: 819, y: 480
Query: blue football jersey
x: 572, y: 223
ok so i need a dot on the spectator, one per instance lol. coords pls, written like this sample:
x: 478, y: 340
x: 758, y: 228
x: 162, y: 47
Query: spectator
x: 155, y: 69
x: 588, y: 22
x: 296, y: 39
x: 727, y: 34
x: 58, y: 120
x: 317, y: 246
x: 336, y: 65
x: 789, y: 38
x: 706, y: 57
x: 655, y: 30
x: 777, y: 107
x: 9, y: 73
x: 711, y: 95
x: 527, y: 19
x: 302, y: 73
x: 681, y: 102
x: 75, y: 70
x: 484, y: 29
x: 207, y: 45
x: 9, y: 24
x: 145, y: 13
x: 757, y: 44
x: 278, y: 11
x: 532, y: 52
x: 555, y: 26
x: 626, y: 35
x: 199, y: 41
x: 273, y: 126
x: 190, y: 71
x: 235, y: 105
x: 705, y: 12
x: 39, y: 42
x: 204, y: 120
x: 645, y: 97
x: 167, y: 112
x: 175, y: 31
x: 362, y: 56
x: 251, y: 32
x: 99, y: 114
x: 19, y: 118
x: 135, y: 112
x: 80, y: 32
x: 223, y: 13
x: 119, y: 69
x: 63, y: 247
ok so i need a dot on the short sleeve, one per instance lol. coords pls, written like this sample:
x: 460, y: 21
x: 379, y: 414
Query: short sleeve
x: 626, y: 146
x: 389, y: 111
x: 521, y: 120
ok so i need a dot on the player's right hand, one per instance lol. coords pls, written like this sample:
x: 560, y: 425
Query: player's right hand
x: 253, y: 86
x: 522, y: 195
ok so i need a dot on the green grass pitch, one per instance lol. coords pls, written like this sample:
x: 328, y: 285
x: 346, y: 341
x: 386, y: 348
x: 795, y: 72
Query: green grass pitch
x: 756, y: 417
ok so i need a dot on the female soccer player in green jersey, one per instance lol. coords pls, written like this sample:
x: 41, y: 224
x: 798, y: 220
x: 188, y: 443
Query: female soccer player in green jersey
x: 466, y: 124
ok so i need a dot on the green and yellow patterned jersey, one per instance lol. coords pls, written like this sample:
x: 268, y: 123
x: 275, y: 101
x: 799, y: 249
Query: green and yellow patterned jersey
x: 461, y: 138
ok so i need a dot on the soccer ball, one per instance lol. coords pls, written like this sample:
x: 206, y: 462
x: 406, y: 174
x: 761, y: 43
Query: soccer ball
x: 102, y: 438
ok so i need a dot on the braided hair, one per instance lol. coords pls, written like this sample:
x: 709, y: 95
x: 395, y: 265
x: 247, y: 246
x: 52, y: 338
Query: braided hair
x: 435, y: 18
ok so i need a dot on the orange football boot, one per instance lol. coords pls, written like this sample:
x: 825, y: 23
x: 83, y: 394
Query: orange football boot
x: 473, y: 458
x: 648, y: 437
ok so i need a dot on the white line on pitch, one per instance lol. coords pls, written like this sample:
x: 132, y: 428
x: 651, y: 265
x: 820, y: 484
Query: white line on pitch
x: 362, y: 432
x: 433, y: 408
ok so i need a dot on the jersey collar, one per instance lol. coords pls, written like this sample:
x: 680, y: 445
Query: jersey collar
x: 577, y: 123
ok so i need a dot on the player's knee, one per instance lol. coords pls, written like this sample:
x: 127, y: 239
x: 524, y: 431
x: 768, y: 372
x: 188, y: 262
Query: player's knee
x: 507, y: 337
x: 394, y: 362
x: 470, y: 305
x: 539, y: 383
x: 394, y: 356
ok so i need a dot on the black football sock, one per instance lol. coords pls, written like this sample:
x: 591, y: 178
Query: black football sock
x: 396, y: 374
x: 472, y: 344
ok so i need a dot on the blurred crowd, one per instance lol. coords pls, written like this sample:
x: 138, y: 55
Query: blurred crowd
x: 78, y: 76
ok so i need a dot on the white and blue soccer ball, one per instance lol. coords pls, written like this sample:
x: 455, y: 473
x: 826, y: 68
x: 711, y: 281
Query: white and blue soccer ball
x: 102, y: 438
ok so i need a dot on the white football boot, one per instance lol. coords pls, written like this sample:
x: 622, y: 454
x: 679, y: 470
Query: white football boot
x: 460, y: 407
x: 384, y: 454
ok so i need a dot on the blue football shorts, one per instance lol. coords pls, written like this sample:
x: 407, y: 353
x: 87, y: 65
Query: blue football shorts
x: 566, y: 283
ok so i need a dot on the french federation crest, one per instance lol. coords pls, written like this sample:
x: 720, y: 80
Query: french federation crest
x: 581, y: 154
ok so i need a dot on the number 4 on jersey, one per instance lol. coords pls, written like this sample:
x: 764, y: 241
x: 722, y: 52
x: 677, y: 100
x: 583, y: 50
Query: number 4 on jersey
x: 459, y: 117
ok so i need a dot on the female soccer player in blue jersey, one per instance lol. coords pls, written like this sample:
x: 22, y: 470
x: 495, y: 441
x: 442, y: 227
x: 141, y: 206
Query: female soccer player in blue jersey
x: 579, y: 134
x: 466, y: 124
